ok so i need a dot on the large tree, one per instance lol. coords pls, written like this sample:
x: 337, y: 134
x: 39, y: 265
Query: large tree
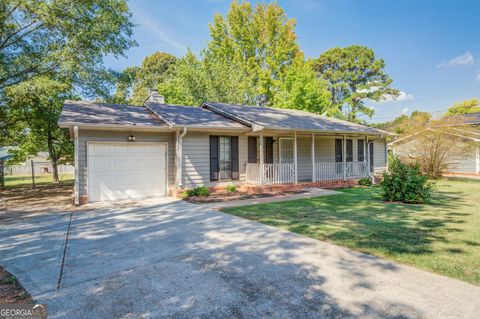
x: 45, y: 37
x: 354, y: 75
x: 252, y: 58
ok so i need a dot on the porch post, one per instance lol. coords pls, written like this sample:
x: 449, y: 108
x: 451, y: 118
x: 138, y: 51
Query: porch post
x: 365, y: 154
x: 314, y: 175
x: 76, y: 188
x: 262, y: 168
x: 344, y: 150
x: 295, y: 156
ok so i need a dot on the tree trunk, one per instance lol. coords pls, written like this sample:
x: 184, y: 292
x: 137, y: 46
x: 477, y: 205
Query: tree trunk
x: 53, y: 158
x: 2, y: 175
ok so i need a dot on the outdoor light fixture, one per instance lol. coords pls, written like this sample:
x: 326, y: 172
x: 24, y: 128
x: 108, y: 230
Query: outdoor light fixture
x: 131, y: 138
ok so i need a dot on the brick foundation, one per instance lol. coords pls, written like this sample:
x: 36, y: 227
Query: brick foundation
x: 259, y: 189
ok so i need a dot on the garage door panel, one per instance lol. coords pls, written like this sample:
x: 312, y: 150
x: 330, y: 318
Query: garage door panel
x: 123, y: 171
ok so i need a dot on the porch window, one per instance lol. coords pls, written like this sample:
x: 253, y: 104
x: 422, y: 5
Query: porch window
x: 361, y: 150
x: 286, y: 150
x: 349, y: 151
x: 225, y: 157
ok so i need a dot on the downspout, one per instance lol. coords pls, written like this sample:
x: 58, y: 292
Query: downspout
x: 179, y: 158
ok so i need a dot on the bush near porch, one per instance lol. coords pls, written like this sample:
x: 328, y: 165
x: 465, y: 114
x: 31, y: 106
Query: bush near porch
x: 441, y: 236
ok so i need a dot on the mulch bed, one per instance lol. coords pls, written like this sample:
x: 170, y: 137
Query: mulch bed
x: 11, y: 291
x: 223, y: 196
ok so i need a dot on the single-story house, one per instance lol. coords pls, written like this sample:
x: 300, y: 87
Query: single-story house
x: 464, y: 158
x: 124, y: 151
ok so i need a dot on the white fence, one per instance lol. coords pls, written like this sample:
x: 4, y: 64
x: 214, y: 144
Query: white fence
x: 330, y: 171
x: 39, y: 168
x: 270, y: 174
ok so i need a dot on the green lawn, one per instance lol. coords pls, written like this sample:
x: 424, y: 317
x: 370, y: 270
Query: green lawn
x: 25, y: 180
x: 442, y: 236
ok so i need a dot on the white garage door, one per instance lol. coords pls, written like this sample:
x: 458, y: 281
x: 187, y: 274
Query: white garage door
x: 126, y: 170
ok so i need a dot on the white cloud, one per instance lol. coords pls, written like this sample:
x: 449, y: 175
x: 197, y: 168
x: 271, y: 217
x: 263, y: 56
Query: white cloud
x: 464, y: 59
x: 405, y: 110
x: 402, y: 96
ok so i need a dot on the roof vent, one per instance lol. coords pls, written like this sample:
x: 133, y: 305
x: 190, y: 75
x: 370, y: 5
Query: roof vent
x: 155, y: 97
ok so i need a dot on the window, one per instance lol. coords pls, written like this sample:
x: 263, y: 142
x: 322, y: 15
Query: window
x: 338, y: 150
x: 225, y: 157
x: 361, y: 150
x: 349, y: 151
x: 286, y: 150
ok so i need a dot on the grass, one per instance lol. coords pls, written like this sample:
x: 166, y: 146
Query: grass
x: 26, y: 180
x: 442, y: 236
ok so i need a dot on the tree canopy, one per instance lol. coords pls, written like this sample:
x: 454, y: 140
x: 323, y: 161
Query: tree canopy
x: 464, y: 107
x: 354, y: 75
x: 42, y: 37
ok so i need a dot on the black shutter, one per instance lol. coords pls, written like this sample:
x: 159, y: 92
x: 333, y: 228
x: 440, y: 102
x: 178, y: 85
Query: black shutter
x: 214, y: 167
x: 234, y: 158
x: 268, y: 150
x: 349, y: 151
x: 252, y: 149
x: 371, y: 155
x: 360, y: 150
x: 338, y: 150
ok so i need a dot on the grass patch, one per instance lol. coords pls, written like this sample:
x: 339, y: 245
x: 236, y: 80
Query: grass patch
x: 442, y: 236
x: 43, y: 179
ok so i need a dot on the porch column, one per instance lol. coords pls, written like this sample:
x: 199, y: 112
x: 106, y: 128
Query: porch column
x: 478, y: 160
x: 76, y: 188
x: 314, y: 175
x: 295, y: 156
x: 365, y: 154
x: 262, y: 168
x: 344, y: 155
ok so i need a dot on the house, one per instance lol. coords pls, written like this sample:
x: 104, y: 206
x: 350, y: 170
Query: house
x: 463, y: 160
x: 157, y: 149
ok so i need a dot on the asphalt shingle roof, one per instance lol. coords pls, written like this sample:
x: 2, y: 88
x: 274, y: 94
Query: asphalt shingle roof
x: 274, y: 118
x: 91, y: 113
x: 192, y: 116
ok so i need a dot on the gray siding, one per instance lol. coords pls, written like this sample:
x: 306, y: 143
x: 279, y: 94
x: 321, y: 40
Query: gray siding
x: 120, y: 136
x: 196, y: 160
x: 379, y: 155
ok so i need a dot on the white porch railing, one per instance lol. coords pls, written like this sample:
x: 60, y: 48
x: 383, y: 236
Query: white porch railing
x: 330, y: 171
x: 270, y: 174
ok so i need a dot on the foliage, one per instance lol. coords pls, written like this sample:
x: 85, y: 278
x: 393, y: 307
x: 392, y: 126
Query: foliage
x: 68, y: 38
x: 231, y: 188
x: 134, y: 83
x: 354, y: 75
x: 405, y: 124
x: 405, y: 183
x: 365, y: 181
x: 252, y: 58
x: 198, y: 191
x: 465, y: 107
x: 34, y: 109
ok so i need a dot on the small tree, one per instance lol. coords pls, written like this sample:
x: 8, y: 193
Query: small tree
x: 34, y: 108
x: 405, y: 183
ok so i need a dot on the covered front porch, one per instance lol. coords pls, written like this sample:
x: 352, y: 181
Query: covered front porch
x: 303, y: 158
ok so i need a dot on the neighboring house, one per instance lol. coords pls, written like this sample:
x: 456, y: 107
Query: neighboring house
x: 126, y: 151
x: 464, y: 160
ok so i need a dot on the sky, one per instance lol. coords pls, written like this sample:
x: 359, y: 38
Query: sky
x: 431, y: 48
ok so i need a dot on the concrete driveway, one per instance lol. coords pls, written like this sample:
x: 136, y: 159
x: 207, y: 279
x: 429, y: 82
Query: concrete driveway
x: 174, y: 259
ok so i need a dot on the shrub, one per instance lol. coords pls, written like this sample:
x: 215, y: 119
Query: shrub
x: 405, y: 183
x: 198, y: 191
x: 365, y: 182
x: 231, y: 188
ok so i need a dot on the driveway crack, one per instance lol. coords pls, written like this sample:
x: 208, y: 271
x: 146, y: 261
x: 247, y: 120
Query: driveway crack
x: 64, y: 256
